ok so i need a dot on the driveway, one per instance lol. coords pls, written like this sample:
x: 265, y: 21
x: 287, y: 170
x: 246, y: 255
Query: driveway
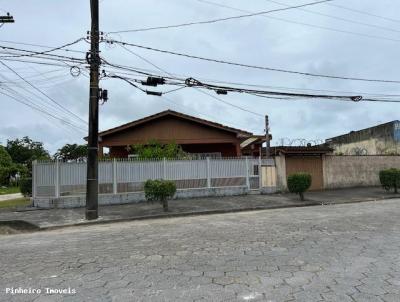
x: 346, y: 252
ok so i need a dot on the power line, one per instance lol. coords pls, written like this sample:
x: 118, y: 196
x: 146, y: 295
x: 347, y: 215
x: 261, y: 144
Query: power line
x: 338, y: 18
x: 303, y: 23
x: 149, y: 72
x: 40, y: 110
x: 364, y: 12
x: 217, y: 20
x: 41, y: 92
x: 40, y: 45
x: 213, y: 96
x: 33, y: 53
x: 254, y: 66
x: 230, y: 104
x: 36, y: 62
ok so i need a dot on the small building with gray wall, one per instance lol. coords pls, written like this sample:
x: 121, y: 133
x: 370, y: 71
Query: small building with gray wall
x: 382, y: 139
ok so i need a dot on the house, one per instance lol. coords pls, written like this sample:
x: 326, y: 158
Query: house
x: 195, y: 135
x: 383, y: 139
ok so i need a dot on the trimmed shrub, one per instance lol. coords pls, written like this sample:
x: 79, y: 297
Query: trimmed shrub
x: 299, y: 183
x: 390, y: 179
x: 159, y: 190
x: 25, y: 185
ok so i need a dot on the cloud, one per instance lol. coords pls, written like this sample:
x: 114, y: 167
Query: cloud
x: 258, y: 40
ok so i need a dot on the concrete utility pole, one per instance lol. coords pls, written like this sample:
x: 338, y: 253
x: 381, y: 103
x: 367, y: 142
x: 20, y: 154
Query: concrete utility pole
x: 92, y: 183
x: 267, y: 140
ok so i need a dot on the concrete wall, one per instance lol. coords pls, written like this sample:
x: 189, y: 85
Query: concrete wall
x: 372, y: 146
x: 125, y: 198
x: 281, y: 183
x: 352, y: 171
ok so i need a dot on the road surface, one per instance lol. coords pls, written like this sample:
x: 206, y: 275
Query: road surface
x: 324, y: 253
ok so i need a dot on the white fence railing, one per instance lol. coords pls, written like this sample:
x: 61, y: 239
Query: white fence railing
x: 57, y: 178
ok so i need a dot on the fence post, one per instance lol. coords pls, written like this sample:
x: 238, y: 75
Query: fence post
x: 164, y: 168
x: 208, y: 173
x: 115, y: 185
x: 247, y: 173
x: 57, y: 179
x: 259, y: 172
x: 34, y: 180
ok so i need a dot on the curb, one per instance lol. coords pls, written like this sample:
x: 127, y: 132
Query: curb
x: 176, y: 215
x: 309, y: 203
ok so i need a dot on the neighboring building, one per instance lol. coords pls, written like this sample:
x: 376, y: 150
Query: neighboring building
x: 383, y: 139
x: 196, y: 136
x: 295, y: 159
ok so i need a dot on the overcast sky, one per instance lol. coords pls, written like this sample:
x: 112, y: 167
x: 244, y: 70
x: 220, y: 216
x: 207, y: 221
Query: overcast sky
x: 258, y: 40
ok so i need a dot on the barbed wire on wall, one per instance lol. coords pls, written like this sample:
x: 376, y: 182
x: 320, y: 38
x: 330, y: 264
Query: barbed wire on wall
x: 299, y: 142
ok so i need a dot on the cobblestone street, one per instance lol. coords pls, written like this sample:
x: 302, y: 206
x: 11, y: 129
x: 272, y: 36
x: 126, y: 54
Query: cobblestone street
x: 348, y: 252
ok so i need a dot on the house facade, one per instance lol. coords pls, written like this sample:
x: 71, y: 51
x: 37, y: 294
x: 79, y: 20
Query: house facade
x: 196, y: 136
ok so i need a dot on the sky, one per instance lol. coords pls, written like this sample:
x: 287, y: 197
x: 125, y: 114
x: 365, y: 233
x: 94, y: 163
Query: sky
x: 367, y: 48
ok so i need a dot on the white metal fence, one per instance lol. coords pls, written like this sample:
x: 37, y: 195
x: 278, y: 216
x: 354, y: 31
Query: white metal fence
x: 57, y: 178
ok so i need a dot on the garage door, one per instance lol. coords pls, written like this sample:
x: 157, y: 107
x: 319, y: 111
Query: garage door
x: 307, y: 164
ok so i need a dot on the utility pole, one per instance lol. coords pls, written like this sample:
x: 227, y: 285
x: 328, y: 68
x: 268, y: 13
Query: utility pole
x: 92, y: 183
x: 267, y: 140
x: 6, y: 19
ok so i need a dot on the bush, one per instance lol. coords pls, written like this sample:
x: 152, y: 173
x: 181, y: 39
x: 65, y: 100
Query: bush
x: 25, y: 185
x: 390, y: 179
x: 159, y: 190
x: 299, y: 183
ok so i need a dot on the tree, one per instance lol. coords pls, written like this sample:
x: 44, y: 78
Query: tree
x: 299, y: 183
x: 154, y: 149
x: 159, y: 190
x: 390, y: 179
x: 72, y: 152
x: 6, y: 166
x: 25, y: 150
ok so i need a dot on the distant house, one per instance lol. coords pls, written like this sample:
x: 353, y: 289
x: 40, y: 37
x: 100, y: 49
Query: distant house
x: 382, y: 139
x: 196, y: 136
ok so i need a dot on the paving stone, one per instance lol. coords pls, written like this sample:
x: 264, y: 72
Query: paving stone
x: 336, y: 253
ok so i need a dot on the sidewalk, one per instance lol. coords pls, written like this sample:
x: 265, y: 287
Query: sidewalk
x: 52, y: 218
x: 5, y: 197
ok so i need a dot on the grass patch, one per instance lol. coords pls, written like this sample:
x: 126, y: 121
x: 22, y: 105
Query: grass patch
x: 9, y: 190
x: 13, y: 203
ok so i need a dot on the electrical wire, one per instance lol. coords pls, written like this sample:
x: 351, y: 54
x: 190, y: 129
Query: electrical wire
x: 338, y: 18
x: 204, y: 92
x: 40, y: 45
x: 364, y: 12
x: 254, y: 66
x: 33, y: 53
x: 216, y: 20
x: 215, y: 81
x: 43, y: 93
x: 303, y: 23
x: 42, y: 111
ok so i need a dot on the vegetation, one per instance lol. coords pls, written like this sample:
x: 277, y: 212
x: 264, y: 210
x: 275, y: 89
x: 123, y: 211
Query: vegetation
x: 8, y: 169
x: 9, y: 190
x: 160, y: 190
x: 25, y: 186
x: 24, y: 151
x: 72, y: 152
x: 299, y: 183
x: 13, y: 203
x: 154, y: 149
x: 390, y: 179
